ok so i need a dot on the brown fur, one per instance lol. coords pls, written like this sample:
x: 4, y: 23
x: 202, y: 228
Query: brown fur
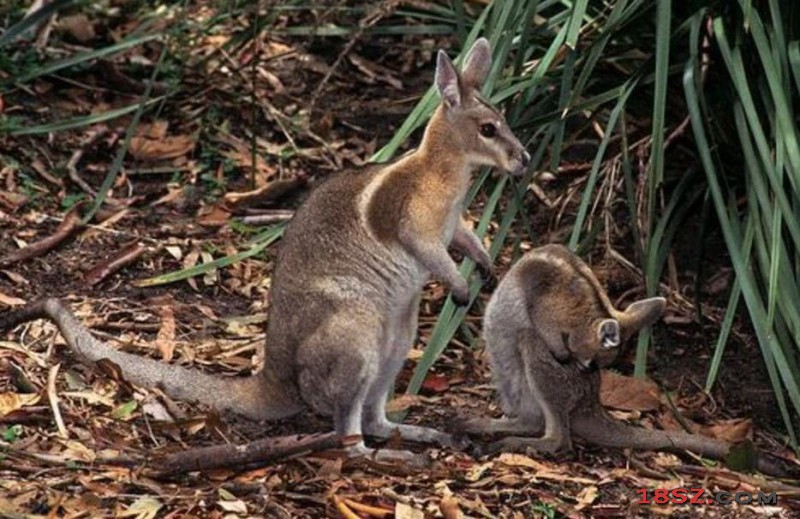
x: 543, y: 327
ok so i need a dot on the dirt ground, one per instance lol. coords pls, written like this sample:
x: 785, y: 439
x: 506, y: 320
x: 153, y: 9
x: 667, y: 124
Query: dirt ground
x: 320, y: 105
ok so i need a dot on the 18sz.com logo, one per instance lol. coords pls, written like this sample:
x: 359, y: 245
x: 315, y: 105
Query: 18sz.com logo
x: 699, y: 496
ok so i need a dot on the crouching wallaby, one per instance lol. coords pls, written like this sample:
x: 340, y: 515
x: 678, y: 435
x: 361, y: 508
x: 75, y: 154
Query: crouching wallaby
x: 349, y: 275
x: 547, y: 328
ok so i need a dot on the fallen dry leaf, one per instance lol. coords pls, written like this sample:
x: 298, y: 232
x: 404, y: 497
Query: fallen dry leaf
x: 10, y: 300
x: 402, y: 403
x: 10, y: 402
x: 78, y: 451
x: 404, y: 511
x: 449, y: 508
x: 236, y: 507
x: 216, y: 216
x: 521, y: 460
x: 157, y: 410
x: 78, y: 26
x: 156, y: 130
x: 161, y: 149
x: 731, y: 431
x: 628, y: 393
x: 11, y: 201
x: 165, y: 340
x: 586, y: 497
x: 436, y: 383
x: 143, y: 508
x: 476, y: 471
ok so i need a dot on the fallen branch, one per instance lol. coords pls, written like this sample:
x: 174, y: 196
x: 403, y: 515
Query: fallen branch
x: 128, y: 255
x: 68, y: 226
x: 268, y: 450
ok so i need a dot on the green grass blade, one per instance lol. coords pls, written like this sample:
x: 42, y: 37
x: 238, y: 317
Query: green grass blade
x: 270, y: 236
x: 575, y: 22
x: 724, y: 333
x: 86, y: 56
x: 78, y: 122
x: 774, y: 357
x: 656, y: 175
x: 36, y: 17
x: 586, y: 199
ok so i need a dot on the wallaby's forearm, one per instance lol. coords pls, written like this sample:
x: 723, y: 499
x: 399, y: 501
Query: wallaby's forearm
x: 466, y: 241
x: 433, y: 255
x: 249, y: 396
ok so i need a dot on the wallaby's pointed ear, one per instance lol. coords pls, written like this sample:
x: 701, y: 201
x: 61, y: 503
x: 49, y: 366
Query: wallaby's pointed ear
x: 477, y: 64
x: 447, y: 80
x: 641, y: 313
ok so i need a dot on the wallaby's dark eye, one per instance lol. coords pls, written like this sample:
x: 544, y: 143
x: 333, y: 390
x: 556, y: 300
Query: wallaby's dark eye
x: 488, y: 130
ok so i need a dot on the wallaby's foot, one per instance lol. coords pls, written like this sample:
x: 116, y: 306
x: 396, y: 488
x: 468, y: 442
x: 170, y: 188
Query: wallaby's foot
x: 415, y: 433
x: 504, y: 425
x: 409, y: 458
x: 543, y: 445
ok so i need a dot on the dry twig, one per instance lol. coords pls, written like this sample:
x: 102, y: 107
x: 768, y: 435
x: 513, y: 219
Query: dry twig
x: 69, y: 225
x: 102, y: 270
x: 262, y: 452
x: 52, y: 396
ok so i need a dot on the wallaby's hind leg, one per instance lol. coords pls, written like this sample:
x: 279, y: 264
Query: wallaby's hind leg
x: 556, y: 437
x: 554, y: 411
x: 347, y: 421
x: 337, y: 367
x: 375, y: 421
x: 378, y: 425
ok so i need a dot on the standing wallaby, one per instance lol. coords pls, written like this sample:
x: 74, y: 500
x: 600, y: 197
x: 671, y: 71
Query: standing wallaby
x: 349, y: 275
x: 547, y: 328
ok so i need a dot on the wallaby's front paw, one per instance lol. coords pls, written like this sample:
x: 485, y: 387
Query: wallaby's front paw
x: 460, y: 294
x: 488, y: 276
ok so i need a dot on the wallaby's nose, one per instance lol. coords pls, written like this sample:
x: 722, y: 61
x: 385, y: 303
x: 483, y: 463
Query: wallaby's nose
x: 525, y: 159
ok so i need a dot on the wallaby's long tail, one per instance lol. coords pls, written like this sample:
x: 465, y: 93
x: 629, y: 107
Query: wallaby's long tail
x: 252, y: 397
x: 601, y: 429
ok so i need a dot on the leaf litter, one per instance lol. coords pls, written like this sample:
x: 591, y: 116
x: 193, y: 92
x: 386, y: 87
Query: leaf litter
x: 189, y: 175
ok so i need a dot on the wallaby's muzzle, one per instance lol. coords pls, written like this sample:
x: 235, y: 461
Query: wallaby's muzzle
x: 519, y: 164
